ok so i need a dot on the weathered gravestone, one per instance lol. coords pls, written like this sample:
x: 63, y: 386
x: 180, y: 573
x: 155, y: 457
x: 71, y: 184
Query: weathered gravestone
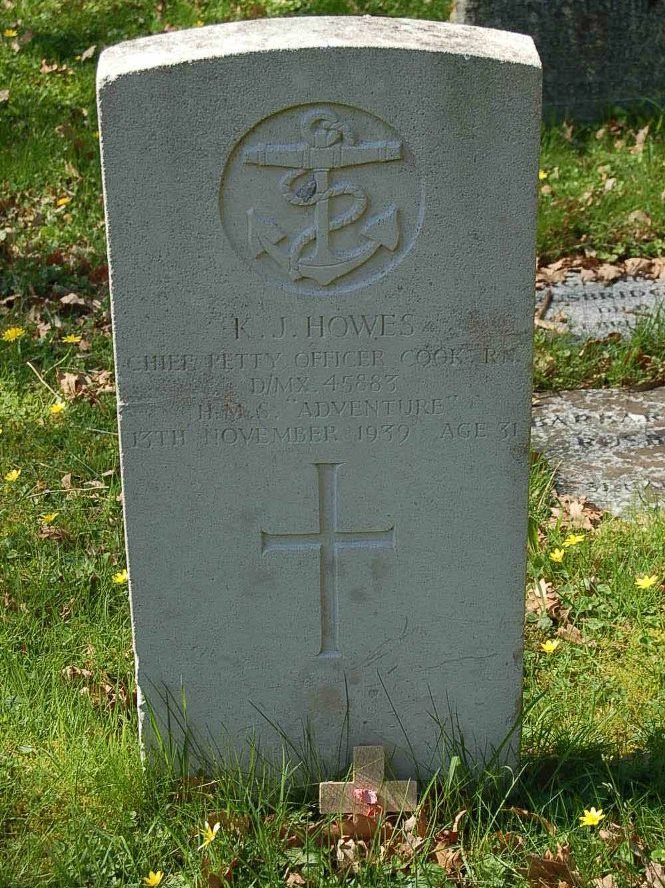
x: 605, y: 444
x: 321, y: 240
x: 596, y: 310
x: 596, y: 54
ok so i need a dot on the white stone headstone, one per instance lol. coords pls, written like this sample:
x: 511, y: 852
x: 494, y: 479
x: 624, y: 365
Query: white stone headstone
x: 321, y: 239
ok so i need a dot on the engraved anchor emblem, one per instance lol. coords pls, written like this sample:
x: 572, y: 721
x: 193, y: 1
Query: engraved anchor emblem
x: 328, y: 144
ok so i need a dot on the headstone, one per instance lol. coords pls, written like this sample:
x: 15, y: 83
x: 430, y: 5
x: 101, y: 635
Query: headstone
x: 596, y: 54
x: 595, y: 310
x: 605, y: 444
x: 321, y: 242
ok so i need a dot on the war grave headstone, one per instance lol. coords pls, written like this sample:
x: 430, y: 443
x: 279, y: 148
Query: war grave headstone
x: 594, y: 310
x: 596, y: 54
x: 321, y: 240
x: 605, y: 444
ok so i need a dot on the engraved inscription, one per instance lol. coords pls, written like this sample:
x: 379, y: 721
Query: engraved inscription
x: 332, y: 379
x: 328, y: 541
x: 318, y: 187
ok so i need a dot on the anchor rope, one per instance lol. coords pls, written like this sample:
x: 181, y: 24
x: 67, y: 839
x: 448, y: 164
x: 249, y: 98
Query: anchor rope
x: 304, y: 199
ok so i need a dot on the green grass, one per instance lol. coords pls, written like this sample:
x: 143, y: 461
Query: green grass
x: 565, y: 362
x: 76, y: 807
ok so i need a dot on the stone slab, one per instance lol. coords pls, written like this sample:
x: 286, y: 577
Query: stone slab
x: 321, y: 242
x: 593, y: 310
x: 605, y: 444
x: 596, y: 54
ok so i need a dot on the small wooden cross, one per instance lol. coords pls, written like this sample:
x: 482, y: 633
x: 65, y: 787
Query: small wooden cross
x: 369, y: 792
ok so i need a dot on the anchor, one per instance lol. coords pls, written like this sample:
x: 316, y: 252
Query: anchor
x: 329, y: 144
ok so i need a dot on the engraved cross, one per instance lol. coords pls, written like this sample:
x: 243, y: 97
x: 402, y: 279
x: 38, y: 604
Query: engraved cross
x: 329, y: 541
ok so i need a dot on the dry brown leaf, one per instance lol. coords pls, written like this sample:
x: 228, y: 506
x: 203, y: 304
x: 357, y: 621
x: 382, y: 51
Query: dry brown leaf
x: 639, y: 267
x: 88, y: 53
x: 552, y: 869
x: 4, y: 96
x: 608, y: 881
x: 72, y: 299
x: 608, y: 273
x: 654, y: 875
x: 76, y: 673
x: 349, y: 854
x: 66, y: 481
x: 640, y: 139
x: 575, y: 512
x: 70, y: 384
x: 541, y: 598
x: 50, y: 532
x: 294, y: 879
x: 571, y: 633
x: 612, y: 835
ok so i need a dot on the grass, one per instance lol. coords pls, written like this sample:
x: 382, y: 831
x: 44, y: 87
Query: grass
x: 76, y: 807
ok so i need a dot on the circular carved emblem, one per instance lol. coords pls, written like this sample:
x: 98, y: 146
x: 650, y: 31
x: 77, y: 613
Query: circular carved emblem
x: 321, y: 199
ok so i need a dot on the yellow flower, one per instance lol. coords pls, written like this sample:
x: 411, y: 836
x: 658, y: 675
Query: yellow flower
x: 646, y: 582
x: 542, y: 175
x: 199, y: 23
x: 49, y: 517
x: 573, y: 539
x: 12, y: 475
x: 63, y: 201
x: 208, y: 834
x: 591, y: 817
x: 120, y: 577
x: 9, y: 32
x: 557, y: 555
x: 153, y: 879
x: 57, y: 408
x: 550, y: 645
x: 13, y: 333
x: 71, y: 337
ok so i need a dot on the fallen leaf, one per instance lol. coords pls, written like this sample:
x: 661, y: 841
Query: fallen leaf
x: 640, y: 218
x: 72, y: 299
x: 294, y: 879
x: 654, y: 875
x: 542, y: 599
x: 551, y: 869
x: 66, y: 481
x: 349, y: 854
x: 4, y: 96
x: 640, y: 139
x: 571, y: 633
x: 608, y: 273
x: 612, y: 835
x: 49, y: 532
x: 608, y: 881
x: 76, y: 673
x: 88, y: 53
x: 574, y: 512
x: 71, y: 384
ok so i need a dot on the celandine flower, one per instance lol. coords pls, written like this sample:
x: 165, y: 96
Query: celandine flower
x: 208, y: 835
x: 11, y: 334
x: 591, y: 817
x: 646, y: 582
